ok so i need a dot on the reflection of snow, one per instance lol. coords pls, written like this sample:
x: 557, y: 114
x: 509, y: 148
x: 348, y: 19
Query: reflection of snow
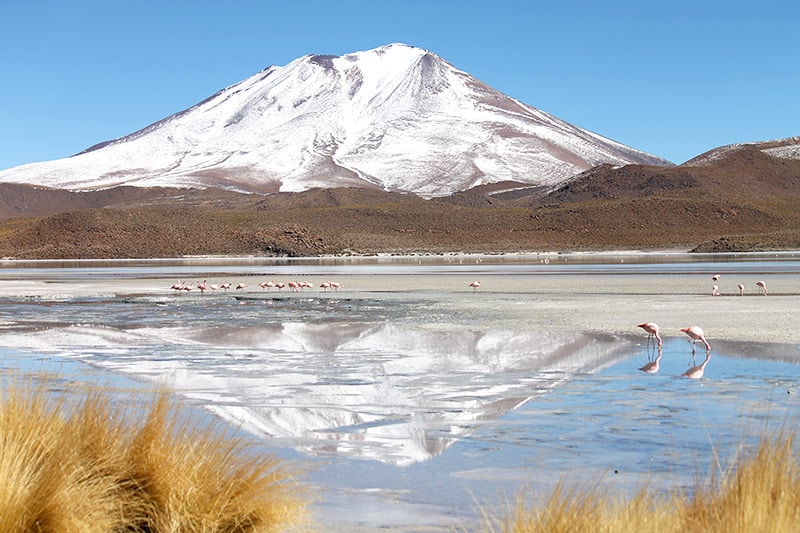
x: 380, y: 392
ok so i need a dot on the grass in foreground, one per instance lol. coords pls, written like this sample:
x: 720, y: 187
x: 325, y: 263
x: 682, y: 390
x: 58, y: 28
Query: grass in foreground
x: 93, y: 466
x: 758, y: 492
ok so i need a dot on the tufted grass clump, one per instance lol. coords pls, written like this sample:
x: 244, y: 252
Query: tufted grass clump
x: 758, y: 491
x: 77, y: 461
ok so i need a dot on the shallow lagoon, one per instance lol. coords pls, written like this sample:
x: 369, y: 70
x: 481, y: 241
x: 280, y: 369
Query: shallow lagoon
x: 412, y: 397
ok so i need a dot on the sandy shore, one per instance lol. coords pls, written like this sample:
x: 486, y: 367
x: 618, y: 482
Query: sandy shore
x: 602, y: 303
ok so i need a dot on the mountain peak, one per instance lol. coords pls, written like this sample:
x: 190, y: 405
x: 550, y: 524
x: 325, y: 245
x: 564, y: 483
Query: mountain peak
x: 397, y: 118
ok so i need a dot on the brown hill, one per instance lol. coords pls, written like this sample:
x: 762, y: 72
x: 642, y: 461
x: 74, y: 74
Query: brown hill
x: 735, y: 199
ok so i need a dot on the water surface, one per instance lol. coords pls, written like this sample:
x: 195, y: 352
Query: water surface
x: 411, y: 396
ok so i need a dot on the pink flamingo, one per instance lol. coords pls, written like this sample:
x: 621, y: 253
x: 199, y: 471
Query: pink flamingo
x: 225, y: 286
x: 280, y: 285
x: 652, y: 367
x: 202, y: 286
x: 475, y: 285
x: 762, y: 287
x: 241, y: 286
x: 335, y: 286
x: 696, y: 333
x: 653, y: 329
x: 177, y: 286
x: 696, y: 372
x: 715, y: 290
x: 741, y: 289
x: 715, y: 277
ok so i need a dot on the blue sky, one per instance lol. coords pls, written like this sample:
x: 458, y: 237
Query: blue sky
x: 671, y: 78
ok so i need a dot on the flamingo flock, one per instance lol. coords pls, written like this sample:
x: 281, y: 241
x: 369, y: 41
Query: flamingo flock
x: 268, y: 285
x: 695, y: 334
x: 294, y: 286
x: 761, y: 285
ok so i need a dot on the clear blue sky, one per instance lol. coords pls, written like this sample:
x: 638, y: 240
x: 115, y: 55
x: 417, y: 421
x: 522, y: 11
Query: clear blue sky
x: 672, y: 78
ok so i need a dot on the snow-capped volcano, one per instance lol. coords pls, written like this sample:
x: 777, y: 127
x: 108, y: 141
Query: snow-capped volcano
x: 397, y: 118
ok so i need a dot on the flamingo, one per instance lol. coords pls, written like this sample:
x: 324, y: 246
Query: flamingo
x: 696, y: 334
x: 715, y: 277
x: 652, y: 367
x: 241, y: 286
x: 177, y: 286
x: 762, y: 287
x: 475, y: 284
x: 696, y: 372
x: 653, y: 329
x: 741, y: 289
x: 335, y: 286
x: 280, y: 285
x: 715, y: 290
x: 202, y: 286
x: 225, y: 286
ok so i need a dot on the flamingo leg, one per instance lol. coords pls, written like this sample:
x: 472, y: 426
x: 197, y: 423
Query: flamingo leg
x: 694, y: 352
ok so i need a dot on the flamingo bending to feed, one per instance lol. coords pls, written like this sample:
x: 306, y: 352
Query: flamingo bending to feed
x: 652, y: 366
x: 696, y: 372
x: 741, y: 289
x: 696, y: 333
x: 653, y: 329
x: 762, y: 287
x: 715, y: 290
x: 475, y: 284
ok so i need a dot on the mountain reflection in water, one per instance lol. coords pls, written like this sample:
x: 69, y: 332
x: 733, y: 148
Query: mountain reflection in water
x: 382, y: 391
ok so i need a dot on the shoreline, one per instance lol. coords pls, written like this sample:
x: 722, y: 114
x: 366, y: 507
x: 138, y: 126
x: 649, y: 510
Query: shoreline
x: 598, y: 292
x: 669, y: 253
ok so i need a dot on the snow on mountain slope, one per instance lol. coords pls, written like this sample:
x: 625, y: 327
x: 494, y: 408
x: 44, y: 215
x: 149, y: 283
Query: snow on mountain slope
x: 788, y: 148
x: 396, y: 118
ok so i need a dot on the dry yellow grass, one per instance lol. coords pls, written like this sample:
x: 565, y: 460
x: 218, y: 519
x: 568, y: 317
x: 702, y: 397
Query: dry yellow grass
x: 759, y: 492
x: 90, y: 466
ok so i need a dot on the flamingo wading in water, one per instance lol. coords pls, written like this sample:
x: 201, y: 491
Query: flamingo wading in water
x: 695, y: 334
x: 654, y: 331
x: 762, y: 287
